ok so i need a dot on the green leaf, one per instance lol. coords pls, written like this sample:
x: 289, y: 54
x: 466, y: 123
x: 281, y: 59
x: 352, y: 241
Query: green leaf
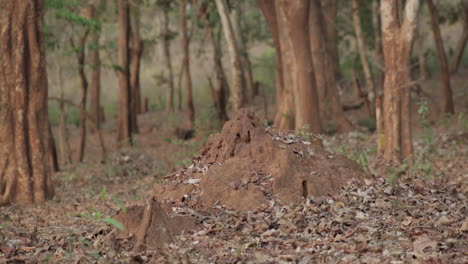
x: 120, y: 204
x: 115, y: 223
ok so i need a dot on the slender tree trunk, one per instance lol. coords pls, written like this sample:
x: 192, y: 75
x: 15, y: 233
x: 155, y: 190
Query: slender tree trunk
x: 53, y: 158
x: 136, y: 53
x: 272, y: 16
x: 188, y: 77
x: 362, y: 51
x: 397, y: 39
x: 378, y: 53
x: 305, y: 93
x: 330, y: 12
x: 237, y: 77
x: 324, y: 67
x: 124, y: 132
x: 236, y: 18
x: 419, y: 42
x: 168, y: 59
x: 63, y: 130
x: 96, y: 79
x: 444, y: 69
x: 461, y: 44
x: 80, y: 51
x: 218, y: 92
x: 25, y: 175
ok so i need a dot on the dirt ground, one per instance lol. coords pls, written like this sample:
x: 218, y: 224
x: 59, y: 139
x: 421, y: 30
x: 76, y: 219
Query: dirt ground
x: 382, y: 216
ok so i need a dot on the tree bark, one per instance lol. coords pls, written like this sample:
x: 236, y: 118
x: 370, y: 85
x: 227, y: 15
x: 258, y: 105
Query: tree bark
x: 378, y: 53
x: 136, y: 52
x: 188, y: 77
x: 419, y: 42
x: 286, y: 112
x: 305, y: 93
x: 95, y: 86
x: 283, y: 101
x: 25, y: 175
x: 236, y: 18
x: 362, y: 52
x: 461, y: 44
x: 53, y: 158
x: 218, y: 92
x: 80, y: 52
x: 332, y: 114
x: 237, y: 77
x: 397, y: 40
x: 124, y: 132
x: 64, y: 143
x: 443, y: 64
x: 168, y: 59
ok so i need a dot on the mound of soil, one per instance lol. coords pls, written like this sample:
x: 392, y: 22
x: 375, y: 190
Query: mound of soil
x: 247, y: 165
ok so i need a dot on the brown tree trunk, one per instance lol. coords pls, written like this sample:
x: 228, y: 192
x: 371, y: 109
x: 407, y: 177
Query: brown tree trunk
x: 461, y: 44
x: 188, y: 77
x: 443, y: 64
x: 136, y: 53
x: 168, y: 59
x: 218, y: 92
x: 286, y: 112
x: 397, y: 39
x: 25, y: 175
x: 237, y: 78
x: 95, y: 86
x: 362, y: 51
x: 330, y: 12
x: 124, y: 132
x: 64, y: 143
x: 80, y: 51
x: 305, y: 93
x: 378, y: 53
x: 272, y: 16
x: 53, y: 158
x: 236, y: 17
x: 419, y: 43
x: 332, y: 113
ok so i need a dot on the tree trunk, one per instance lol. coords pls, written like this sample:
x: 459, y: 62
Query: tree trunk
x: 236, y: 18
x: 53, y: 158
x: 168, y: 59
x: 461, y: 44
x: 218, y: 92
x: 305, y: 93
x: 397, y: 40
x: 444, y: 69
x: 136, y: 53
x: 96, y: 79
x: 378, y: 53
x: 25, y: 175
x: 330, y: 12
x: 419, y: 42
x: 362, y: 51
x: 124, y: 132
x: 64, y: 143
x: 80, y: 51
x: 332, y: 114
x: 188, y: 77
x: 237, y: 77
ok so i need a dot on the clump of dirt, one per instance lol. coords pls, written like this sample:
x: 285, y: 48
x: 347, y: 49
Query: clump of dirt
x: 247, y: 165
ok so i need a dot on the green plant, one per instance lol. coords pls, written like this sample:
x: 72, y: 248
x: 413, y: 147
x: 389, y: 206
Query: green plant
x: 98, y: 216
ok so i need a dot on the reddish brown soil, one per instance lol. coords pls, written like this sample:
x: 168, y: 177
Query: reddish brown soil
x: 245, y: 167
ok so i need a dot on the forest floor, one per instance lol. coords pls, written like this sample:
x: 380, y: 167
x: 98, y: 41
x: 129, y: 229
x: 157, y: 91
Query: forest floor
x: 391, y: 217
